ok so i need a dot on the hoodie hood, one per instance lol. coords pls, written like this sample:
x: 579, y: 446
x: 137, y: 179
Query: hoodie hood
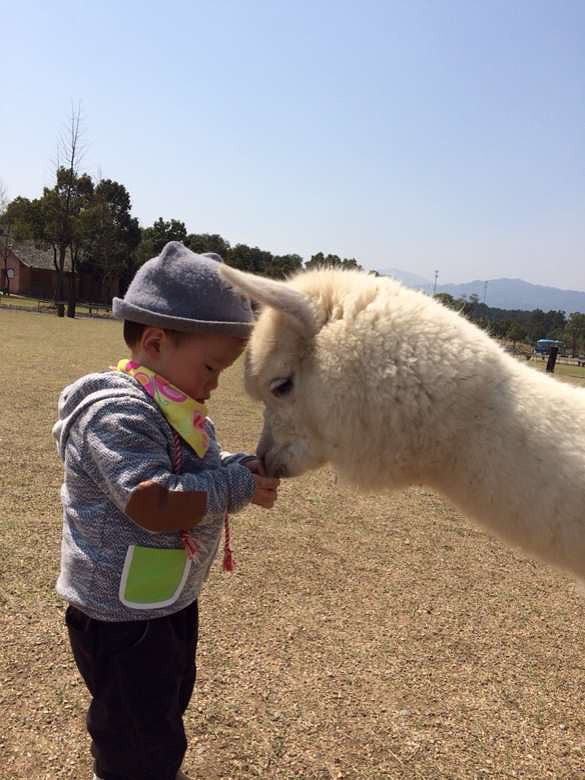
x: 90, y: 389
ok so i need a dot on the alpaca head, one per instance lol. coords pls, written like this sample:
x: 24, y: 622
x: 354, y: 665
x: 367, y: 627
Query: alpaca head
x: 281, y: 372
x: 347, y: 364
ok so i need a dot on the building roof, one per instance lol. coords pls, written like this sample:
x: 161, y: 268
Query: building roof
x: 37, y: 256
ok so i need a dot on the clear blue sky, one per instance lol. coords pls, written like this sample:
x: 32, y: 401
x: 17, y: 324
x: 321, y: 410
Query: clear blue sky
x: 420, y: 135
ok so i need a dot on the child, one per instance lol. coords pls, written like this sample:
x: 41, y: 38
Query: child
x: 145, y: 492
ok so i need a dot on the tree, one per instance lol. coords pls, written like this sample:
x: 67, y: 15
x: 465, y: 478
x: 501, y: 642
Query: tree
x: 332, y: 261
x: 499, y: 328
x: 17, y: 223
x: 109, y: 235
x: 555, y: 320
x: 207, y: 242
x: 63, y: 218
x: 516, y: 332
x: 62, y: 205
x: 53, y: 219
x: 575, y: 331
x: 84, y: 195
x: 447, y: 300
x: 154, y: 238
x: 283, y: 266
x: 247, y: 258
x: 20, y: 215
x: 536, y: 325
x: 95, y: 227
x: 461, y: 305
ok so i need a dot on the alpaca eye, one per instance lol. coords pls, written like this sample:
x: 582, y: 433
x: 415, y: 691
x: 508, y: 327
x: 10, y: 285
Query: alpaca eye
x: 280, y: 387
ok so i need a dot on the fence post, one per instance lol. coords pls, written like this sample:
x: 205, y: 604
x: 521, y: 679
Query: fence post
x: 552, y: 359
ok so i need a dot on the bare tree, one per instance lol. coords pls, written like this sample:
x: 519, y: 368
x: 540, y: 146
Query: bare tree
x: 71, y: 147
x: 60, y: 207
x: 70, y: 152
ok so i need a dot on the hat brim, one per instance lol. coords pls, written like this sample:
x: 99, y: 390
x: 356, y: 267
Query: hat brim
x: 122, y: 310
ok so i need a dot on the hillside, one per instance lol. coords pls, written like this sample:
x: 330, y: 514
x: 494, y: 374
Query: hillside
x: 503, y: 293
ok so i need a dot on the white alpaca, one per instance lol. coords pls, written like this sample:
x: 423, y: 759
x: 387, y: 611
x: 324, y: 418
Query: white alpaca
x: 392, y: 388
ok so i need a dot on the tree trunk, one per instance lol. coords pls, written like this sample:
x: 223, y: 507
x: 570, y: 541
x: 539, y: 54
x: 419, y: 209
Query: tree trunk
x: 72, y: 300
x: 59, y: 293
x: 60, y: 290
x: 73, y: 276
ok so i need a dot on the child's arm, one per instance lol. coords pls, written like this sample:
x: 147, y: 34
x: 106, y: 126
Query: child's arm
x: 124, y: 450
x: 150, y: 505
x: 251, y: 462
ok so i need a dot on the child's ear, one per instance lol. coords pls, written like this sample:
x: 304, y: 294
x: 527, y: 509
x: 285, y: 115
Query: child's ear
x: 152, y: 340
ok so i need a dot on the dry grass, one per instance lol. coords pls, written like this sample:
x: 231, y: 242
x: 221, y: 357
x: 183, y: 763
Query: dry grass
x: 22, y: 302
x: 563, y: 371
x: 360, y: 637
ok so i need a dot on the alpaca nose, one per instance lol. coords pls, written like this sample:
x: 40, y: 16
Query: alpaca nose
x: 272, y: 467
x: 280, y: 472
x: 266, y: 458
x: 264, y: 443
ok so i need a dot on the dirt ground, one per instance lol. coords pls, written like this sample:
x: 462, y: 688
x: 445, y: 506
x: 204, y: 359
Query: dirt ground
x: 360, y: 637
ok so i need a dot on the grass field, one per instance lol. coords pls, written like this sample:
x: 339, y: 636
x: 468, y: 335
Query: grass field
x: 8, y: 302
x: 564, y: 371
x: 359, y: 637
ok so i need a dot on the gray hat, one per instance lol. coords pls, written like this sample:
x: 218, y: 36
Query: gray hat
x: 181, y: 290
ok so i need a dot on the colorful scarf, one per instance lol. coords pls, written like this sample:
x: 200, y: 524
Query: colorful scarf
x: 184, y: 414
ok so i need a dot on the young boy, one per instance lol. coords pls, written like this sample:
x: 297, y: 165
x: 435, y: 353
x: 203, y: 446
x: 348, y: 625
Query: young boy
x: 145, y: 493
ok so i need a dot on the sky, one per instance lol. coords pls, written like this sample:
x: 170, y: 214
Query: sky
x: 423, y: 135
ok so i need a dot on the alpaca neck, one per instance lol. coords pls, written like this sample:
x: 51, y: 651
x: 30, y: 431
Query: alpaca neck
x: 519, y: 468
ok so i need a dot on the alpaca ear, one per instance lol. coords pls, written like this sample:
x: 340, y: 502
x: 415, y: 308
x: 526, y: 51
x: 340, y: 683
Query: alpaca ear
x: 276, y: 294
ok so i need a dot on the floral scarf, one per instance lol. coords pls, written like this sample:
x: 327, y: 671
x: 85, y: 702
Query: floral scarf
x: 184, y: 414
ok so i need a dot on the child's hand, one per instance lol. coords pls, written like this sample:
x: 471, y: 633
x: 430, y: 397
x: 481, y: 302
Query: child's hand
x: 265, y: 494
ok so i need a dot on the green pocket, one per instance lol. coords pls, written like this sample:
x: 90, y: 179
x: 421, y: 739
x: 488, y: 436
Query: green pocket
x: 153, y: 577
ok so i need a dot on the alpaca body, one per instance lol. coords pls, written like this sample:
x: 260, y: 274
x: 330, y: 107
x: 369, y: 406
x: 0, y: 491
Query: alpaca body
x: 394, y: 389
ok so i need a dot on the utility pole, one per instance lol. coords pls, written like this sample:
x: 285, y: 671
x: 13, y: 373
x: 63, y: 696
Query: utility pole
x: 485, y: 284
x: 435, y: 282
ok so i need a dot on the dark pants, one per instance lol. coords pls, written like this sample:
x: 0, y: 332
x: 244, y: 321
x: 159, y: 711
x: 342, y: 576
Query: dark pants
x: 141, y: 676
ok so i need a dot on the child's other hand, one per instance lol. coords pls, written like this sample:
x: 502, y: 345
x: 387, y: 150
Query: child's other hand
x: 265, y: 493
x: 255, y: 466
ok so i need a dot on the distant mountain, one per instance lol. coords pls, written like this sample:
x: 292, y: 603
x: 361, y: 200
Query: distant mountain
x: 502, y: 293
x: 410, y: 280
x: 518, y: 294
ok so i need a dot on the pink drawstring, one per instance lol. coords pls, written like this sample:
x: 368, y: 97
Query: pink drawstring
x: 186, y: 539
x: 228, y: 559
x: 189, y: 544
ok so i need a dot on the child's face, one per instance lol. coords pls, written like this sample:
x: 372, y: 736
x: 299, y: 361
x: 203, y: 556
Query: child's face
x: 194, y: 363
